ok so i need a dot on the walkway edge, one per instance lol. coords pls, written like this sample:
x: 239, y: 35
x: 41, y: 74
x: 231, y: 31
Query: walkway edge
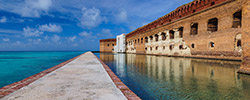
x: 129, y: 94
x: 6, y: 90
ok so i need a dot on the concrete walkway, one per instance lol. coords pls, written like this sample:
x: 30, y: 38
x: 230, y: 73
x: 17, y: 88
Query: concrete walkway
x: 82, y: 79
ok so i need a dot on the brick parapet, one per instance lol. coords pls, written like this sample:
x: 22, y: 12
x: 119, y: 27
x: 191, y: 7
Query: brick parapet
x: 108, y: 40
x: 179, y: 13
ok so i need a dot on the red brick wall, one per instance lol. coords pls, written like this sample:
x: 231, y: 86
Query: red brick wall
x: 107, y: 45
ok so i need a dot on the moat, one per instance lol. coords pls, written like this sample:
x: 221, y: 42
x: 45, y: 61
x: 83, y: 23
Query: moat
x: 160, y: 77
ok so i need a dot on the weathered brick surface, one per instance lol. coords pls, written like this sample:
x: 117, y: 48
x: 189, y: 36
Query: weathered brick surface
x: 245, y: 67
x: 107, y: 45
x: 224, y: 38
x: 201, y: 11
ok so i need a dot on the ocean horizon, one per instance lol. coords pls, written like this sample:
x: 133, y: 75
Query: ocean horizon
x: 18, y: 65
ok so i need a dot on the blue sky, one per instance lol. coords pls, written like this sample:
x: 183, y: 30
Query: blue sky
x: 41, y: 25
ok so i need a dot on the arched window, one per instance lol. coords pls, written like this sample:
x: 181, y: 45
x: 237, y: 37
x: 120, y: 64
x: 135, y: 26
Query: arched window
x: 181, y: 47
x: 151, y: 37
x: 171, y: 33
x: 238, y: 43
x: 194, y: 29
x: 171, y: 47
x: 211, y: 44
x: 146, y: 39
x: 192, y: 45
x: 212, y: 25
x: 156, y: 37
x: 180, y: 32
x: 163, y: 35
x: 237, y: 17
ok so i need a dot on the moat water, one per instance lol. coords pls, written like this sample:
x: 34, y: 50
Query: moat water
x: 161, y: 78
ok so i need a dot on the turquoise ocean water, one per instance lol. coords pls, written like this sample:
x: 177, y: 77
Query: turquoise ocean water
x: 16, y: 66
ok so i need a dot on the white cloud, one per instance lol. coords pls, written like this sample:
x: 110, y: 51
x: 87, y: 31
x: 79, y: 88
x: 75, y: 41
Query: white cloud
x: 122, y: 16
x: 46, y: 37
x: 72, y: 38
x: 105, y: 33
x: 51, y: 28
x: 75, y: 45
x: 85, y: 34
x: 31, y: 32
x: 91, y: 17
x: 17, y: 43
x: 6, y: 39
x: 10, y: 31
x: 56, y: 38
x: 3, y: 19
x: 33, y: 8
x: 35, y: 41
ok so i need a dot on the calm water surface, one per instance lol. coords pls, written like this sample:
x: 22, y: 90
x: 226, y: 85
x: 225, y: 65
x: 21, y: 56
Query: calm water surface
x: 16, y: 66
x: 158, y: 77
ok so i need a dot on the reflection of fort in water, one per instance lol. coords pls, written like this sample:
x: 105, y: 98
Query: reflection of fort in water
x: 223, y: 73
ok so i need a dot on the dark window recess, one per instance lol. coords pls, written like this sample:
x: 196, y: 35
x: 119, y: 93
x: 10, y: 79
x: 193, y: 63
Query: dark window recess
x: 163, y: 35
x: 146, y: 48
x: 151, y: 48
x: 194, y: 11
x: 141, y: 40
x: 192, y: 45
x: 212, y: 25
x: 181, y: 47
x: 146, y: 39
x: 194, y: 29
x: 237, y: 17
x: 171, y: 33
x: 108, y: 44
x: 156, y: 48
x: 156, y: 37
x: 181, y: 32
x: 239, y: 43
x: 138, y: 40
x: 211, y: 44
x: 163, y: 47
x: 151, y: 38
x: 171, y: 47
x: 113, y: 44
x: 212, y: 3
